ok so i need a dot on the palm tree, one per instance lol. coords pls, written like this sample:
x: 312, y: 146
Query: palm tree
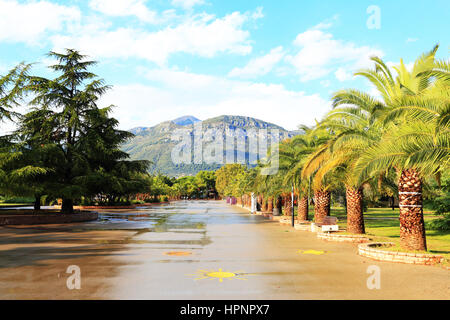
x: 322, y: 185
x: 272, y: 187
x: 293, y: 155
x: 288, y: 160
x: 417, y: 139
x: 416, y: 151
x: 356, y: 126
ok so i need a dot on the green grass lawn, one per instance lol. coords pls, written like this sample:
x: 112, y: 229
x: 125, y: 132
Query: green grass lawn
x: 382, y: 225
x: 14, y: 204
x: 386, y: 229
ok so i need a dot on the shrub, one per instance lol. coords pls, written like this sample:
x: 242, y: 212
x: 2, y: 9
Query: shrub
x: 18, y: 200
x: 441, y: 204
x: 442, y: 224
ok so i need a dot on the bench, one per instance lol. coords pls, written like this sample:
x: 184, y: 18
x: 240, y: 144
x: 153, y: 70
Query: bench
x: 329, y: 224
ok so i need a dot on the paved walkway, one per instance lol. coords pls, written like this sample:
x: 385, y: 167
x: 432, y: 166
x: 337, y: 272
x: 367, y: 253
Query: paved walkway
x: 183, y: 250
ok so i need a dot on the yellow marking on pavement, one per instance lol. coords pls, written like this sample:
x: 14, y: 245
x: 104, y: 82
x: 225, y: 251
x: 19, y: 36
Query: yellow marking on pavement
x: 220, y: 275
x: 315, y: 252
x: 178, y: 253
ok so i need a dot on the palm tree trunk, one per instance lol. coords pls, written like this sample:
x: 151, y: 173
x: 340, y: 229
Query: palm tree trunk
x: 303, y: 209
x: 287, y: 208
x: 264, y: 205
x: 412, y: 227
x: 260, y: 203
x: 355, y: 217
x: 322, y: 205
x: 278, y: 206
x: 270, y: 204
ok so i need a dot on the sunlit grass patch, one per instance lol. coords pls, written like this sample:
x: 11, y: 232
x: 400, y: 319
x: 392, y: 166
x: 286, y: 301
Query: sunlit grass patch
x: 386, y: 228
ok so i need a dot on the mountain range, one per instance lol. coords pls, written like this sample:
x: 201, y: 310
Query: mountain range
x: 156, y: 143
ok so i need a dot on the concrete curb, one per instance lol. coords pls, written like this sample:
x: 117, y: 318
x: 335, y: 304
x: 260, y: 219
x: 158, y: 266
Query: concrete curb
x: 49, y: 218
x: 336, y: 237
x: 370, y: 250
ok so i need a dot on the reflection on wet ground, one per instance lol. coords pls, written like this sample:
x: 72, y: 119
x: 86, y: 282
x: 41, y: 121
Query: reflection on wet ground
x: 153, y: 253
x: 31, y: 256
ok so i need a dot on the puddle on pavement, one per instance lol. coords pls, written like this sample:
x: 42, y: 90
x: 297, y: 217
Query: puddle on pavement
x: 173, y: 225
x: 161, y: 219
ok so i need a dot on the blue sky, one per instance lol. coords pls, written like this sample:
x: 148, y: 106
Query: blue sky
x: 278, y: 61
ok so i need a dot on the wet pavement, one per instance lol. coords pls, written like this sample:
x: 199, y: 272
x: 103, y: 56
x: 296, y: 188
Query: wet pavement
x: 196, y: 250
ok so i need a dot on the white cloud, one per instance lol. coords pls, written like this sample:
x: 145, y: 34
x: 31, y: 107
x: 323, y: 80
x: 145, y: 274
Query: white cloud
x: 259, y: 66
x: 258, y: 14
x: 187, y: 4
x: 30, y: 21
x: 203, y: 35
x: 120, y: 8
x: 327, y: 23
x: 177, y: 93
x: 342, y: 74
x: 319, y: 55
x: 411, y: 40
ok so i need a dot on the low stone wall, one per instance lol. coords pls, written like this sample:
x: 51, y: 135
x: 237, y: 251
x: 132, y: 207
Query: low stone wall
x: 285, y: 220
x: 47, y: 218
x: 335, y: 236
x: 131, y: 206
x: 270, y: 216
x: 315, y: 228
x: 302, y: 226
x: 373, y: 251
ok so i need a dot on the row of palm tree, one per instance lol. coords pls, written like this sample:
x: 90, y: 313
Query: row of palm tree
x: 391, y: 142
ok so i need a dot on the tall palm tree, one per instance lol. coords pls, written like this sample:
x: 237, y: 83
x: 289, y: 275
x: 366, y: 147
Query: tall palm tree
x: 323, y: 185
x: 417, y: 140
x: 272, y: 187
x: 356, y: 126
x: 293, y: 156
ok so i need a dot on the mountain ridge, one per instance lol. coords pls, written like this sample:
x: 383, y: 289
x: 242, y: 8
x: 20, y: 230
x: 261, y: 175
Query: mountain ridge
x: 155, y: 143
x: 186, y: 120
